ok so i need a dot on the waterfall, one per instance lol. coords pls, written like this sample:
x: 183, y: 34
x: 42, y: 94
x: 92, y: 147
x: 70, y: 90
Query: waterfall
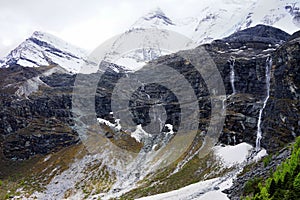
x: 268, y: 73
x: 231, y: 62
x: 234, y: 140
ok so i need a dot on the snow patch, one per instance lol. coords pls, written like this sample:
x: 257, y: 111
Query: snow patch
x: 204, y: 190
x: 233, y: 155
x: 170, y: 127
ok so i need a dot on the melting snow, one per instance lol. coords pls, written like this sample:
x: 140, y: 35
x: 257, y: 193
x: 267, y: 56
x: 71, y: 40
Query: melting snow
x: 262, y: 153
x: 170, y: 127
x: 232, y: 155
x: 116, y: 126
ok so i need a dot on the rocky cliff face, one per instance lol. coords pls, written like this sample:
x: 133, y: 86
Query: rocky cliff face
x: 282, y: 111
x: 247, y: 50
x: 254, y: 45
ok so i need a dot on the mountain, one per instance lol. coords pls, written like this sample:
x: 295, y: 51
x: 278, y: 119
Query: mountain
x: 41, y: 129
x: 43, y: 49
x: 222, y: 18
x: 53, y: 147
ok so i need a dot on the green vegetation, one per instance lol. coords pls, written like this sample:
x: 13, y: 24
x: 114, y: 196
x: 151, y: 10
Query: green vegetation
x: 267, y: 160
x: 283, y: 184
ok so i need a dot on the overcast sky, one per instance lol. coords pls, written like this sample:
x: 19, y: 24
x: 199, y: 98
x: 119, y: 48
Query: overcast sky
x: 83, y: 24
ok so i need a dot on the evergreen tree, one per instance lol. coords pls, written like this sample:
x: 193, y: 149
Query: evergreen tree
x: 272, y: 187
x: 296, y: 183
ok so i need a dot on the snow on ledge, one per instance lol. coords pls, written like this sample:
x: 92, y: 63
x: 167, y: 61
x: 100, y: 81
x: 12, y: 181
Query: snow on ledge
x: 139, y: 133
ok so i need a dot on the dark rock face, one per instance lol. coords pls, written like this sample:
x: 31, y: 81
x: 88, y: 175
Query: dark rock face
x: 59, y: 80
x: 259, y: 36
x: 250, y: 85
x: 282, y: 114
x: 39, y: 137
x: 43, y: 121
x: 295, y: 35
x: 38, y: 124
x: 158, y: 94
x: 14, y: 76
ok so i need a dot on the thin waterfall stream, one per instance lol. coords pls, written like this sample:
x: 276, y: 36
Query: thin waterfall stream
x: 267, y: 75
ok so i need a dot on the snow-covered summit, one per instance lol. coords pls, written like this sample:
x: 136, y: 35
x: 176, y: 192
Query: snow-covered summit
x: 43, y: 49
x: 156, y: 18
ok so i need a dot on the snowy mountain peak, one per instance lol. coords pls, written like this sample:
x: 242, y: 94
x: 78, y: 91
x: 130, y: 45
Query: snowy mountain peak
x: 156, y: 18
x: 54, y: 41
x: 43, y: 49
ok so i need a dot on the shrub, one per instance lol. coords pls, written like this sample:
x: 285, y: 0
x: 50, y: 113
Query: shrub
x: 267, y: 160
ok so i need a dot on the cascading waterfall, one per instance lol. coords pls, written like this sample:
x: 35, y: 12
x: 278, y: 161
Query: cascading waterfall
x: 232, y: 61
x: 234, y: 140
x: 268, y: 75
